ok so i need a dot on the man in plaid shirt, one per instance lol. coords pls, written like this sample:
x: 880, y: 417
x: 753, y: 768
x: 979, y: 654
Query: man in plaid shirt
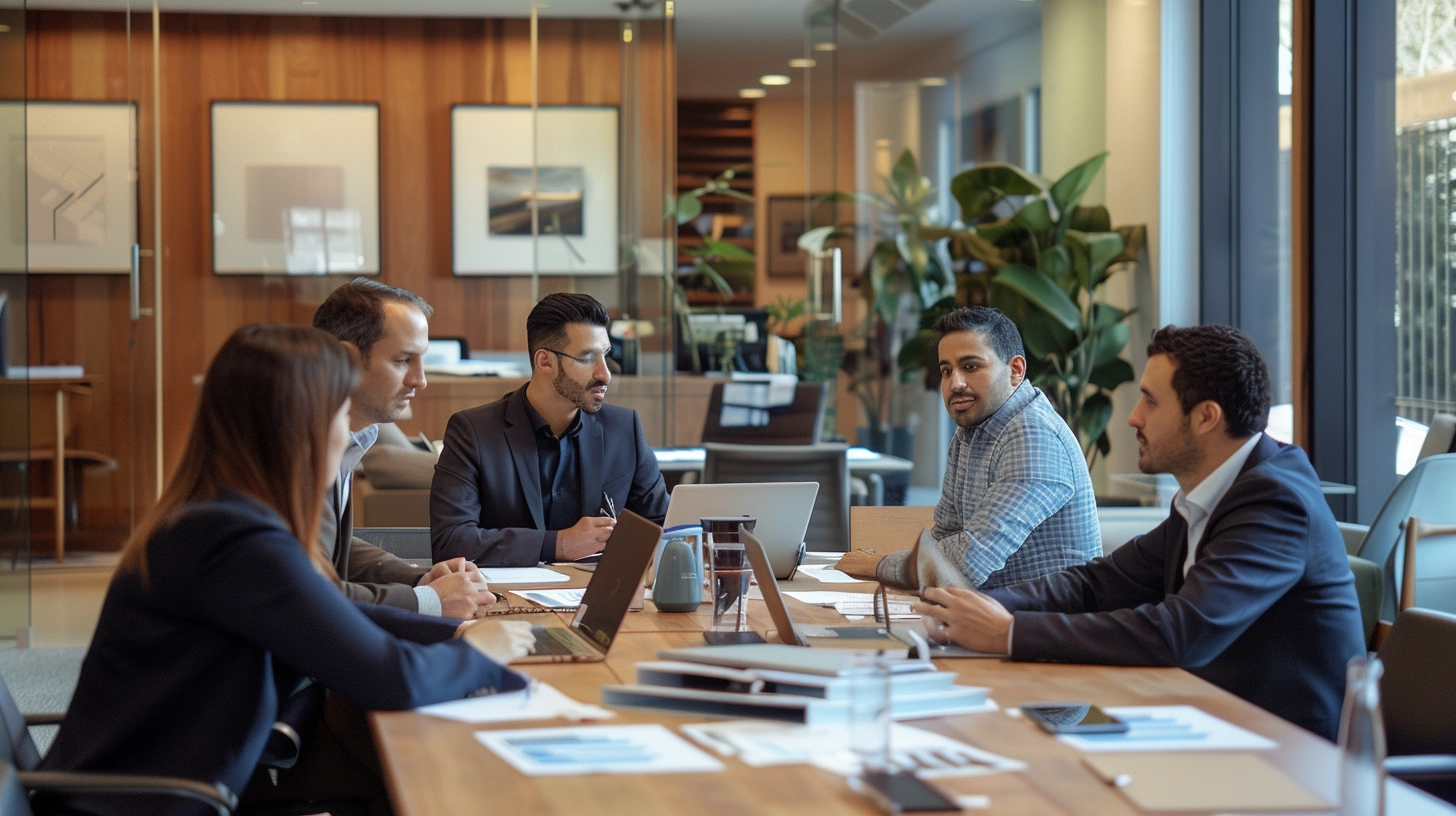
x: 1017, y: 502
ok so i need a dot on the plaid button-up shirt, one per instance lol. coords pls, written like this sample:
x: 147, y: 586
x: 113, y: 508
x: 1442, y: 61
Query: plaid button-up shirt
x: 1017, y: 502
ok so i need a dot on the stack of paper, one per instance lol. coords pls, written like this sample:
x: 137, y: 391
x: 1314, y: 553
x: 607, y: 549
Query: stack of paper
x: 1169, y: 728
x: 785, y: 683
x: 522, y: 575
x: 757, y: 744
x: 536, y: 702
x: 617, y: 749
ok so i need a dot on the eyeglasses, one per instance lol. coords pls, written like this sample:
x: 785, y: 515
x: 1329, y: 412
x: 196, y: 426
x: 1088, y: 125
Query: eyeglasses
x: 589, y: 359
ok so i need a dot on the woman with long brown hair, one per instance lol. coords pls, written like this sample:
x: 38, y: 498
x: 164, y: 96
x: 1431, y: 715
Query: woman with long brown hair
x: 224, y: 590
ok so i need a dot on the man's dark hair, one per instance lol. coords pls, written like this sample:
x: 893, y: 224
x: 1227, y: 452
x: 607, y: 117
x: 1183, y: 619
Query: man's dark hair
x: 1218, y: 363
x: 355, y: 311
x: 992, y: 324
x: 546, y: 325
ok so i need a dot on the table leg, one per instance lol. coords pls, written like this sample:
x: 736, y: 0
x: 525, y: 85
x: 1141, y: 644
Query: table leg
x: 60, y: 474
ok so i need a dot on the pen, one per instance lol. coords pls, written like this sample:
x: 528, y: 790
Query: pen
x: 611, y: 508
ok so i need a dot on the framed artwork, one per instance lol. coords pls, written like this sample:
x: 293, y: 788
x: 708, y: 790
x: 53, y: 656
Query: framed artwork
x: 72, y: 206
x: 295, y: 188
x: 574, y: 190
x: 786, y: 223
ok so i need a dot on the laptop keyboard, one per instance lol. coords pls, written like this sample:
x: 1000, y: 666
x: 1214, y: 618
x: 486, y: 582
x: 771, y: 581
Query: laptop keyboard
x: 553, y: 640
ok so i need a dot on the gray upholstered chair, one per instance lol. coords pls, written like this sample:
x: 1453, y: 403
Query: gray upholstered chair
x: 1427, y: 491
x: 826, y: 464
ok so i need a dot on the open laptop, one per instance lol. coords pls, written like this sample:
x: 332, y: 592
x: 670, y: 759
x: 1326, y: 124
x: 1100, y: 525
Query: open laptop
x: 878, y: 636
x: 604, y: 604
x: 782, y: 510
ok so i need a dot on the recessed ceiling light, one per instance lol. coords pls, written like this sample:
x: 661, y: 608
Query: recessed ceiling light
x: 933, y: 82
x: 773, y: 79
x: 825, y: 47
x: 802, y: 62
x: 753, y: 93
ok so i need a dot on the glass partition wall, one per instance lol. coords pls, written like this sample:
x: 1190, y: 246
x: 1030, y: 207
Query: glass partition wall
x: 15, y: 436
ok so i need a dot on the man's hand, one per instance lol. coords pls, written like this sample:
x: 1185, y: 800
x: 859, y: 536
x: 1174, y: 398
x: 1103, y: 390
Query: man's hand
x: 859, y: 564
x: 584, y: 537
x: 460, y: 592
x: 444, y: 568
x: 501, y: 641
x: 965, y: 617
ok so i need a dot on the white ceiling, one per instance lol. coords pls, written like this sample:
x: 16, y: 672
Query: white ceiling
x: 723, y: 45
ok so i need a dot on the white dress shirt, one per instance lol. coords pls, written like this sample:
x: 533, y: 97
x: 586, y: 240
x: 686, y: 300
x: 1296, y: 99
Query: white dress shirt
x: 1198, y: 504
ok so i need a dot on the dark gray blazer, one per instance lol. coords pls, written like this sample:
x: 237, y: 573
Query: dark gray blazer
x: 485, y: 502
x: 1268, y: 611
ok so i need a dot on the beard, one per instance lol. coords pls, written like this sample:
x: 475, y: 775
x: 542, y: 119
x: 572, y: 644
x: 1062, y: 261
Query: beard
x: 576, y: 393
x: 1177, y: 455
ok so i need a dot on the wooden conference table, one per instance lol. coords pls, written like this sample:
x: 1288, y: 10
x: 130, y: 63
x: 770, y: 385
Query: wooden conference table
x: 435, y: 767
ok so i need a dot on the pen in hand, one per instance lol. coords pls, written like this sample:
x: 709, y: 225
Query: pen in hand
x: 610, y: 510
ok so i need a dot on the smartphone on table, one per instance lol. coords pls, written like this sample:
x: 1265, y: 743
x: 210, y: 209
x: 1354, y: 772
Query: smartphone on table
x: 1073, y: 718
x: 901, y: 793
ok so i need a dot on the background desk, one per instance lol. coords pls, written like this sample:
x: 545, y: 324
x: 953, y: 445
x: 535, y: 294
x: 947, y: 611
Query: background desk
x: 862, y: 461
x: 435, y: 767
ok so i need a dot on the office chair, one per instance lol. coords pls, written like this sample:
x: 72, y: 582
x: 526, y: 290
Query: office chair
x: 826, y: 464
x: 1369, y: 589
x: 19, y: 757
x: 1418, y: 701
x: 799, y: 423
x: 1426, y: 492
x: 409, y: 543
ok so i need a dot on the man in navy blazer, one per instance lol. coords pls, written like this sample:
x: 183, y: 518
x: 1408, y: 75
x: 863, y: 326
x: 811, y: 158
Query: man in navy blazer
x: 541, y: 474
x: 1262, y: 604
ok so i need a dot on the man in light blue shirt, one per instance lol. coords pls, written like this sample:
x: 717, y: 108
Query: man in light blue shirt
x: 1017, y: 501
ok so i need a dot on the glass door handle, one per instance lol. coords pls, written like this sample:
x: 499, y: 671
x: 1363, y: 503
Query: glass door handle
x: 136, y: 282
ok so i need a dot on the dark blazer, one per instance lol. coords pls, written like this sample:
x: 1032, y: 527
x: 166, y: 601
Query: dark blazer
x: 1267, y: 612
x: 370, y: 574
x: 485, y: 502
x: 179, y: 679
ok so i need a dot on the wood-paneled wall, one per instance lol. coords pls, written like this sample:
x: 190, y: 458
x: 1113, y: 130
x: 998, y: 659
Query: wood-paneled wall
x: 415, y: 69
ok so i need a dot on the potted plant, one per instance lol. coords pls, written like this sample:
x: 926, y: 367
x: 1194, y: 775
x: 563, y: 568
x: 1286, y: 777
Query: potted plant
x: 1032, y: 251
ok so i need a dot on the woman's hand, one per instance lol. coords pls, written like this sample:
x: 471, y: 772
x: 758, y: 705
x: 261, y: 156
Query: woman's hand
x: 501, y: 641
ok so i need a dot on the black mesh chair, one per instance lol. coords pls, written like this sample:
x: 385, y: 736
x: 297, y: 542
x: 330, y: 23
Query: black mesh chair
x: 826, y: 464
x: 19, y: 758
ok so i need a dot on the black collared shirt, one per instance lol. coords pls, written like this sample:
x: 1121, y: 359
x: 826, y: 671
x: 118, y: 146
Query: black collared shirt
x: 559, y: 461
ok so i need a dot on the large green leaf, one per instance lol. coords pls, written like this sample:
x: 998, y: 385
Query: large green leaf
x: 689, y: 207
x: 980, y: 188
x: 1091, y: 219
x: 905, y: 175
x: 1104, y: 315
x: 1110, y: 343
x: 1045, y: 336
x: 1035, y: 218
x: 1096, y: 411
x: 1102, y: 248
x: 918, y: 353
x: 1068, y: 190
x: 812, y: 241
x: 1056, y: 263
x: 1042, y: 291
x: 1133, y: 239
x: 1111, y: 375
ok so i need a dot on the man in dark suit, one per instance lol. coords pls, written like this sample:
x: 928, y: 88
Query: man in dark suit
x: 1246, y: 584
x: 387, y: 329
x: 541, y: 474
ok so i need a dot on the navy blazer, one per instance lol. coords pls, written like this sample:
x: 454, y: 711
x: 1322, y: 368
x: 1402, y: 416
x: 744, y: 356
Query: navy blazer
x: 485, y: 501
x: 1268, y: 611
x: 180, y: 676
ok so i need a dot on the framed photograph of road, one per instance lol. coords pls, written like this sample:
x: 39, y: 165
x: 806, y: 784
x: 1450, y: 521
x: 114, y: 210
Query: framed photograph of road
x: 295, y: 188
x: 79, y: 190
x: 572, y: 190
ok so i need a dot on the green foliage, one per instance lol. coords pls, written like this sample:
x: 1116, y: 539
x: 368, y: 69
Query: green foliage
x: 1047, y: 263
x: 904, y: 262
x: 783, y: 312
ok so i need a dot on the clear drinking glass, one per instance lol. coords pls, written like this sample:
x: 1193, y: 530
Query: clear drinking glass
x: 1362, y: 740
x: 869, y: 711
x: 729, y: 574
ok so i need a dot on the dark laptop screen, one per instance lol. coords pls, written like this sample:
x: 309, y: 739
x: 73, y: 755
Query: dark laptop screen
x: 610, y: 591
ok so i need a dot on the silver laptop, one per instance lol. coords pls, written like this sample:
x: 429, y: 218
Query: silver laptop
x: 782, y: 510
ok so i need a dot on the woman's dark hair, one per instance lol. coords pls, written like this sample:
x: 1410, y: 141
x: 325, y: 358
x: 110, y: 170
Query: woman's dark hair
x: 1218, y: 363
x: 355, y: 311
x: 262, y: 430
x: 546, y: 325
x: 992, y: 324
